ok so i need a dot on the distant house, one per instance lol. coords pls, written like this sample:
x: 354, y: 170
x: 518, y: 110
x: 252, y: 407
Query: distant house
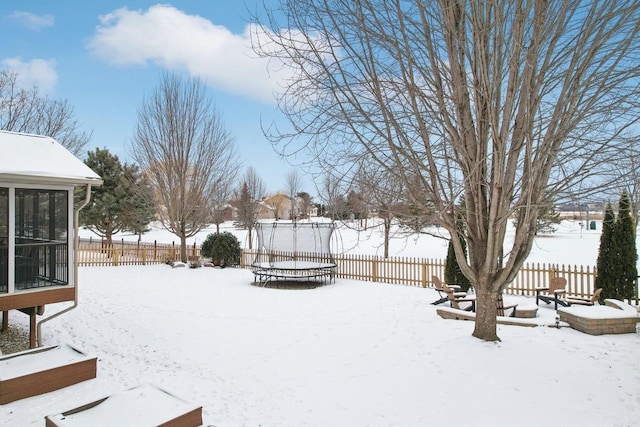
x: 277, y: 206
x: 38, y: 222
x: 228, y: 212
x: 280, y: 206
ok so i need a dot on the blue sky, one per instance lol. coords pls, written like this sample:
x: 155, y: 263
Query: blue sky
x: 105, y: 56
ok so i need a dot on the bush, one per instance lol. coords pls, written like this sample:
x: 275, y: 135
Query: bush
x: 223, y: 247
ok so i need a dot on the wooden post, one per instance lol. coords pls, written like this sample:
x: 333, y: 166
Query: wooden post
x: 374, y: 271
x: 32, y: 328
x: 115, y: 257
x: 144, y: 256
x: 5, y: 320
x: 424, y: 275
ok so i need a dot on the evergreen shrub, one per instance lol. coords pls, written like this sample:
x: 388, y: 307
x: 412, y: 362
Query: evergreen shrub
x: 223, y: 247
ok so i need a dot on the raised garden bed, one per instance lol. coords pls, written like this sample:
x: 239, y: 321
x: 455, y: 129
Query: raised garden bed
x: 526, y: 311
x: 615, y: 317
x: 144, y: 405
x: 41, y: 370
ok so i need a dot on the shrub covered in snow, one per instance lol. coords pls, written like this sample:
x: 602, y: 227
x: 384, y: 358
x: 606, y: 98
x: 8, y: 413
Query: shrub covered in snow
x: 223, y: 247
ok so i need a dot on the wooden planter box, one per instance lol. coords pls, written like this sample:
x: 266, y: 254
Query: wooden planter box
x: 143, y: 405
x: 41, y: 370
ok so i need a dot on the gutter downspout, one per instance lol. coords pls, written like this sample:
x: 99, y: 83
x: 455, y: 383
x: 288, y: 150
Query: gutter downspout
x: 76, y: 242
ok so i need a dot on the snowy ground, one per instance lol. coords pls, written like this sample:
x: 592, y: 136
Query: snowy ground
x: 347, y: 354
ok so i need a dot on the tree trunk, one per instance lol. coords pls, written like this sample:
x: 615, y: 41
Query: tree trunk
x: 249, y: 232
x: 486, y: 312
x: 387, y: 227
x: 217, y: 228
x: 183, y: 248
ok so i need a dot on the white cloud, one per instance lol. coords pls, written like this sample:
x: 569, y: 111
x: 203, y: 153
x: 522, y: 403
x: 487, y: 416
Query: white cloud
x: 38, y: 72
x: 170, y: 38
x: 33, y: 21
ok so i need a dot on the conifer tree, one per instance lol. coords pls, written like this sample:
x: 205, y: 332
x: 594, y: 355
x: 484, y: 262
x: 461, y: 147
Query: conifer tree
x: 606, y: 256
x: 123, y: 202
x: 138, y: 207
x: 246, y: 210
x: 103, y: 215
x: 626, y: 257
x: 452, y: 272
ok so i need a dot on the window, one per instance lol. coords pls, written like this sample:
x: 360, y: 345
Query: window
x: 41, y: 229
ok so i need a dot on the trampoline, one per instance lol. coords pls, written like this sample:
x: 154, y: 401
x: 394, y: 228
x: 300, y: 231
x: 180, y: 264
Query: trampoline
x: 293, y: 252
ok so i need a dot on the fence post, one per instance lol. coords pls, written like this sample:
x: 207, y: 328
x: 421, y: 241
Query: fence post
x: 115, y: 257
x: 144, y: 256
x: 374, y: 270
x: 424, y: 275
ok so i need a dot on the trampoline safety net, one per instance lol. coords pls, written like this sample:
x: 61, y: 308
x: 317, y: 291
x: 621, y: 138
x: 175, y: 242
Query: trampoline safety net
x: 293, y: 251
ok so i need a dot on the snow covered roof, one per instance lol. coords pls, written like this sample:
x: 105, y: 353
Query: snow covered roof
x: 40, y: 159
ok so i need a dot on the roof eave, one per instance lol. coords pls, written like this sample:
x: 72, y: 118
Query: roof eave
x: 32, y: 179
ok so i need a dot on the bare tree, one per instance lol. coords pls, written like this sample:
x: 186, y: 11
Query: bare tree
x: 187, y: 153
x: 332, y: 196
x: 26, y: 111
x: 305, y: 203
x: 504, y: 103
x: 385, y: 195
x: 294, y: 182
x: 220, y: 198
x: 626, y: 170
x: 250, y: 193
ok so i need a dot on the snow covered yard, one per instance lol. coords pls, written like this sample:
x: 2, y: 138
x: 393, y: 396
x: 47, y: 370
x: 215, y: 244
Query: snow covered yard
x: 347, y: 354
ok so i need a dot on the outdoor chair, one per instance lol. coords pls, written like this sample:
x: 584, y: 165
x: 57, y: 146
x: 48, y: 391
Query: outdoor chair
x: 553, y: 292
x: 465, y: 302
x: 437, y: 284
x: 502, y: 309
x: 584, y: 300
